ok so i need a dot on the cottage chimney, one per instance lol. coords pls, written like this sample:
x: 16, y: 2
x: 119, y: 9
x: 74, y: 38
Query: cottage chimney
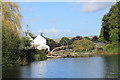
x: 41, y: 34
x: 32, y: 35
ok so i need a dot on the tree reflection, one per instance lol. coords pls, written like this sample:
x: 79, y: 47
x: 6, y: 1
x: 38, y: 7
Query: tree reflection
x: 111, y: 66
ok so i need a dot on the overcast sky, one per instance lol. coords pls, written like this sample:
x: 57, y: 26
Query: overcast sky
x: 64, y: 19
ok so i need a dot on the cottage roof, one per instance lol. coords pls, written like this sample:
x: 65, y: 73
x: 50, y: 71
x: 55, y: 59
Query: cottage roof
x: 40, y: 36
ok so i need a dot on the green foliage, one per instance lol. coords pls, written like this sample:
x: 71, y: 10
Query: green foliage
x: 76, y: 38
x: 111, y: 25
x: 15, y: 48
x: 113, y: 37
x: 111, y: 46
x: 65, y: 41
x: 40, y: 55
x: 87, y: 38
x: 24, y: 43
x: 11, y: 33
x: 110, y: 29
x: 102, y: 39
x: 51, y: 43
x: 82, y: 45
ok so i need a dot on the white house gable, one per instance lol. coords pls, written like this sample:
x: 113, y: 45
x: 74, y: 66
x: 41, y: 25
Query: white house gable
x: 39, y: 40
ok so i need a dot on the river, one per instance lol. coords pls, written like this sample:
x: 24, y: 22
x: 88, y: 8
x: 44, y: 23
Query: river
x: 89, y: 67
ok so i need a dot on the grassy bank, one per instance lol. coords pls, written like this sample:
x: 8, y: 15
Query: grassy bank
x: 109, y: 49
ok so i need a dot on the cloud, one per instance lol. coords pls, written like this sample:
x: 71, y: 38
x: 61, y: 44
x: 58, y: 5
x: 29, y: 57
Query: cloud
x: 52, y: 30
x: 95, y: 6
x: 54, y: 33
x: 88, y: 6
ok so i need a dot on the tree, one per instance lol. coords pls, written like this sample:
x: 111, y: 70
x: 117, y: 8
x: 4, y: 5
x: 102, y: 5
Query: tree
x: 51, y: 43
x: 11, y: 32
x: 11, y: 17
x: 65, y: 41
x: 24, y: 43
x: 111, y: 25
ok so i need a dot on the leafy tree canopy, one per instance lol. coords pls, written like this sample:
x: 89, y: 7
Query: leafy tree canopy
x: 111, y: 25
x: 51, y: 43
x: 11, y: 33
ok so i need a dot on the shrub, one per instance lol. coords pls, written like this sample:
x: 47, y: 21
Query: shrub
x: 82, y: 45
x: 113, y: 48
x: 95, y: 38
x: 65, y: 41
x: 102, y: 39
x: 51, y: 43
x: 76, y: 38
x: 40, y: 55
x: 87, y: 38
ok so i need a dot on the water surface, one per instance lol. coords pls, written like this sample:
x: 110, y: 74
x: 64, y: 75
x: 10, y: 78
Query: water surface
x: 89, y: 67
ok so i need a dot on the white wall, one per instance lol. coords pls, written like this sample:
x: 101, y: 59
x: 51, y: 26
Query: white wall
x: 39, y: 40
x: 43, y: 46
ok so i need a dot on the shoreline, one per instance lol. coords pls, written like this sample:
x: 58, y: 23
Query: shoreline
x: 82, y: 55
x: 74, y: 55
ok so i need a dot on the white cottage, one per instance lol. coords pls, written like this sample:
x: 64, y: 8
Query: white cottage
x: 39, y: 42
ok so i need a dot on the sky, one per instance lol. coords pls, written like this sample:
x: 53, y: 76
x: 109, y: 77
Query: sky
x: 64, y: 19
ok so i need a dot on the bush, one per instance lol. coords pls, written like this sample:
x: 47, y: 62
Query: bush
x: 76, y: 38
x: 83, y: 45
x: 65, y: 41
x: 51, y: 43
x: 40, y: 55
x: 23, y: 57
x: 112, y: 48
x: 95, y: 38
x: 87, y: 38
x: 102, y: 39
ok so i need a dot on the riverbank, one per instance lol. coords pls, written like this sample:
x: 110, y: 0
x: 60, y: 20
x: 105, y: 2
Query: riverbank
x: 106, y: 53
x: 69, y: 54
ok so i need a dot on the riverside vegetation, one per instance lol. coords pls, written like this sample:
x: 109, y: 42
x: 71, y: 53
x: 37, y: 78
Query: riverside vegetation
x: 110, y: 31
x: 16, y: 47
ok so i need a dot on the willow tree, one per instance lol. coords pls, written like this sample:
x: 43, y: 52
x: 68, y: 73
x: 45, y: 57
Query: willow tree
x: 11, y: 17
x: 11, y: 32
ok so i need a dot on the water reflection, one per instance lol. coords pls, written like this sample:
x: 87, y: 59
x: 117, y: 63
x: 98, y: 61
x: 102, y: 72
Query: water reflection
x: 111, y: 66
x: 92, y: 67
x: 34, y: 70
x: 11, y: 72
